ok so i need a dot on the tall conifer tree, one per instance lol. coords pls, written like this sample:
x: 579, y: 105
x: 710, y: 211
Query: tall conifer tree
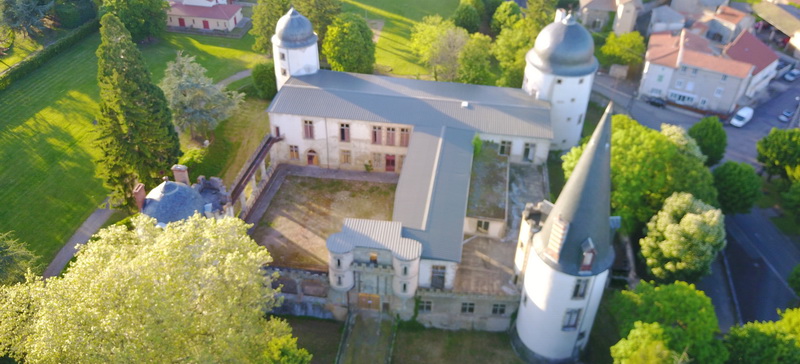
x: 136, y: 137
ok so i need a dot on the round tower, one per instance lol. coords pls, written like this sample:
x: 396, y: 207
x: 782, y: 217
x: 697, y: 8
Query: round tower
x: 568, y: 261
x: 560, y: 69
x: 294, y: 47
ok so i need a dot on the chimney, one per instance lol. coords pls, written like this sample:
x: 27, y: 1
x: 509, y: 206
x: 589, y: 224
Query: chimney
x: 139, y: 194
x: 560, y: 15
x: 181, y: 174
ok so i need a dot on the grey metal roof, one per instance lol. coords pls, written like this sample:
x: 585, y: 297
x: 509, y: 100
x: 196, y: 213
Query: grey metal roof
x: 666, y: 14
x: 373, y: 234
x: 172, y: 201
x: 353, y: 96
x: 431, y: 195
x: 564, y: 48
x: 294, y: 31
x: 584, y: 207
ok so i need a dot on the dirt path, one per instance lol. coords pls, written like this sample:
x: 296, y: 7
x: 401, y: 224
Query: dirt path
x: 238, y: 76
x: 376, y: 25
x: 87, y: 229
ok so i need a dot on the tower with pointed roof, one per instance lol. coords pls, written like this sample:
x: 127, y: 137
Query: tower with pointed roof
x: 564, y: 262
x: 294, y: 47
x: 560, y: 69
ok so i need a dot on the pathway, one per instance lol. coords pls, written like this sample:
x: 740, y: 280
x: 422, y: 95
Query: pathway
x: 238, y: 76
x: 87, y: 229
x: 369, y: 339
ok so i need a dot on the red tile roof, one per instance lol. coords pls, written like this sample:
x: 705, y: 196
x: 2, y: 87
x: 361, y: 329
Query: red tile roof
x: 219, y: 11
x: 730, y: 14
x: 748, y: 48
x: 688, y: 49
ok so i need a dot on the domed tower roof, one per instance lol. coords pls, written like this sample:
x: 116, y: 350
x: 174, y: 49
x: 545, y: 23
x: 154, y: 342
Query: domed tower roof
x: 294, y: 31
x: 564, y: 48
x: 172, y: 201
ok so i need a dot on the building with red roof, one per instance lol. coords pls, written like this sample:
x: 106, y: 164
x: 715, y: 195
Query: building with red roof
x: 204, y: 14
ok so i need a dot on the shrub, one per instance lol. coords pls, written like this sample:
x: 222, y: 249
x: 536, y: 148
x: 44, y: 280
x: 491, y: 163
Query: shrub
x: 37, y: 59
x: 264, y: 80
x: 72, y: 14
x: 467, y: 17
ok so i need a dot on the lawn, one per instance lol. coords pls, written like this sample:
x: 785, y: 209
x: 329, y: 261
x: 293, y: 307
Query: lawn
x: 23, y: 46
x: 452, y: 347
x: 320, y: 337
x: 392, y: 53
x: 47, y: 183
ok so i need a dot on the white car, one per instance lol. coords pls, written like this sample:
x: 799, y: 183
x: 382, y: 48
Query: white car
x: 792, y: 75
x: 742, y: 117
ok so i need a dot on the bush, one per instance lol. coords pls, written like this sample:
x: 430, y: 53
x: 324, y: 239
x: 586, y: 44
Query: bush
x: 209, y: 161
x: 467, y: 17
x: 32, y: 63
x: 264, y: 80
x: 72, y: 14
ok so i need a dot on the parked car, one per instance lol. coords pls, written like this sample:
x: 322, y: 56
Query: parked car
x: 792, y: 75
x: 742, y: 117
x: 786, y: 115
x: 657, y: 101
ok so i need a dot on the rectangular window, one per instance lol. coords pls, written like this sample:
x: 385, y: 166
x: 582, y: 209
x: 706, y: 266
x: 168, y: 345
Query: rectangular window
x: 505, y: 147
x: 498, y: 309
x: 655, y: 91
x: 690, y: 86
x: 376, y: 135
x: 718, y: 92
x: 467, y: 307
x: 660, y: 78
x: 571, y: 319
x: 344, y: 132
x: 294, y: 152
x: 404, y: 137
x: 483, y: 226
x: 283, y: 71
x: 724, y: 77
x: 679, y: 84
x: 389, y: 136
x: 529, y: 152
x: 703, y: 102
x: 683, y: 68
x: 579, y: 291
x: 277, y: 131
x: 425, y: 306
x: 345, y: 157
x: 308, y: 129
x: 373, y: 258
x: 283, y: 56
x: 405, y: 270
x: 694, y: 71
x: 338, y: 280
x: 438, y: 276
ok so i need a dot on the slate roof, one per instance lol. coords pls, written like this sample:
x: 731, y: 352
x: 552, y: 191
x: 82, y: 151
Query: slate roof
x: 666, y: 14
x: 373, y: 234
x: 748, y: 48
x: 294, y: 30
x: 353, y: 96
x: 219, y: 11
x: 172, y: 201
x: 784, y: 17
x: 564, y: 48
x: 688, y: 49
x: 431, y: 195
x: 584, y: 208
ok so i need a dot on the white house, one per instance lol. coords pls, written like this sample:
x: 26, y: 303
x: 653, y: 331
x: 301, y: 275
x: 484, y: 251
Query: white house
x: 204, y: 14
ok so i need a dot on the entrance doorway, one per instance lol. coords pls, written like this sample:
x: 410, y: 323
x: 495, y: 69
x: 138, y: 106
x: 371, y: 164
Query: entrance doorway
x: 205, y: 24
x: 390, y: 163
x: 437, y: 276
x: 312, y: 157
x: 368, y: 301
x: 182, y: 22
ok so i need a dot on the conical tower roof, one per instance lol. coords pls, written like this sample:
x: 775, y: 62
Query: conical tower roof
x: 579, y: 222
x: 564, y: 48
x: 294, y: 31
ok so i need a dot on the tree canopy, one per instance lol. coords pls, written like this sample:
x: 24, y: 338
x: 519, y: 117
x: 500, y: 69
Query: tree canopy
x: 738, y: 187
x: 266, y: 14
x: 194, y: 291
x: 475, y: 60
x: 685, y: 315
x: 264, y: 80
x: 646, y: 168
x: 685, y: 143
x: 683, y: 239
x: 144, y: 19
x: 509, y: 49
x: 646, y: 343
x: 438, y: 42
x: 467, y: 17
x: 135, y: 135
x: 506, y: 15
x: 765, y: 342
x: 348, y: 45
x: 197, y: 104
x: 627, y: 49
x: 320, y: 12
x: 779, y: 150
x: 711, y: 138
x: 15, y: 260
x: 24, y: 16
x: 794, y: 279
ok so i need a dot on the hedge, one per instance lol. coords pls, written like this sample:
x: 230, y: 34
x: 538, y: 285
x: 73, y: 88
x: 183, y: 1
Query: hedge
x: 32, y: 62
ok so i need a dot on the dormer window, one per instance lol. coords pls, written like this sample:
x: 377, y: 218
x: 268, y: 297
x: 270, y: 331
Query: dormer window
x: 557, y: 237
x: 588, y: 256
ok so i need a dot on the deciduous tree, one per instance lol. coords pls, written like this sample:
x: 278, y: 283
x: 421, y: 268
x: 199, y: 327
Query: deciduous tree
x: 135, y: 135
x: 738, y: 187
x: 683, y: 239
x: 627, y: 49
x: 15, y: 260
x: 144, y: 19
x: 348, y: 45
x: 197, y: 104
x: 763, y: 342
x: 475, y: 60
x: 506, y: 15
x: 646, y: 168
x: 539, y: 13
x: 685, y: 143
x: 321, y: 14
x: 265, y: 19
x: 779, y: 150
x: 711, y: 138
x: 791, y: 200
x: 437, y: 42
x: 646, y: 343
x: 467, y: 17
x: 509, y: 49
x: 24, y: 16
x: 264, y: 80
x: 685, y: 314
x: 193, y: 291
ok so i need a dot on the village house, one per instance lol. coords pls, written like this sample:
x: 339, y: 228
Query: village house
x: 619, y: 14
x: 784, y: 20
x: 204, y: 14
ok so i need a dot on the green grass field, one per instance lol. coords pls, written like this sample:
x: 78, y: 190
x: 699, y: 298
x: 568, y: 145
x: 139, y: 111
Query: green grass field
x: 392, y: 53
x: 47, y: 183
x: 23, y: 46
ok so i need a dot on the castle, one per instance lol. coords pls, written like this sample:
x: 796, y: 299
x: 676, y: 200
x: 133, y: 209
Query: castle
x: 417, y: 265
